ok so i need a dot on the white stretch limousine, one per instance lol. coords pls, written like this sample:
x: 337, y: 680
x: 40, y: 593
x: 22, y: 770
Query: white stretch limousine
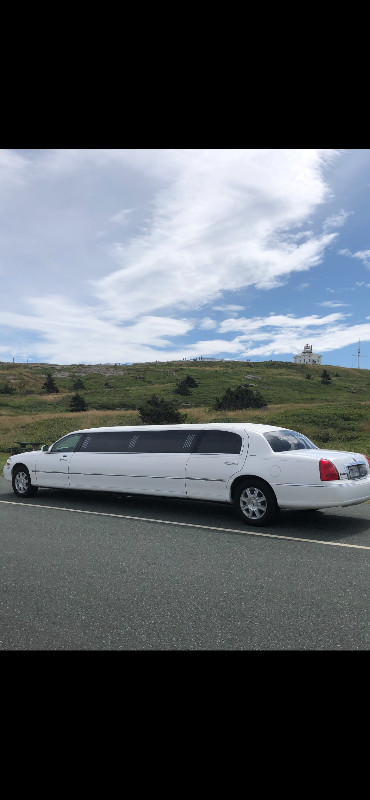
x: 258, y: 468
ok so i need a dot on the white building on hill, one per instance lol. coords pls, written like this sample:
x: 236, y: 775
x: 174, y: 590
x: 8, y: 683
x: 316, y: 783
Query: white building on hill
x: 307, y: 356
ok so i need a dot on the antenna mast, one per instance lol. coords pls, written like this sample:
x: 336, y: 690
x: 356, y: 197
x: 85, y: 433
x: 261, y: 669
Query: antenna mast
x: 358, y: 355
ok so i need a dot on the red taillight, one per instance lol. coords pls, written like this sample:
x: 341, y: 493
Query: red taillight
x: 367, y: 459
x: 328, y: 472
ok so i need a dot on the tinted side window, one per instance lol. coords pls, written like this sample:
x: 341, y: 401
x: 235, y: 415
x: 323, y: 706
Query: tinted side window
x: 108, y: 442
x: 219, y: 442
x: 139, y: 442
x: 165, y: 441
x: 68, y: 444
x: 284, y: 440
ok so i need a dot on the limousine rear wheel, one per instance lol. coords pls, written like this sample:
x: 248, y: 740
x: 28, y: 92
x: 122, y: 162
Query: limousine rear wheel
x: 21, y: 483
x: 255, y: 502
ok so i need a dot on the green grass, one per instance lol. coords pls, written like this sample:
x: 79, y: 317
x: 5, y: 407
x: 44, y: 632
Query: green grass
x: 334, y: 415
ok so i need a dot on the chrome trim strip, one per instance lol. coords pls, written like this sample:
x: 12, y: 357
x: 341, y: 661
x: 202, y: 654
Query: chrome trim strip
x: 210, y: 480
x: 124, y: 475
x: 51, y: 472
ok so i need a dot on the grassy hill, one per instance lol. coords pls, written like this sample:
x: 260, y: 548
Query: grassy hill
x: 335, y: 415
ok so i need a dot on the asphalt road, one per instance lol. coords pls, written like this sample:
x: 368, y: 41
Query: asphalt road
x: 101, y: 572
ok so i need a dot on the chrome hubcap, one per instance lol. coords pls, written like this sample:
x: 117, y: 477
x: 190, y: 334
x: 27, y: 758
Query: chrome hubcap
x: 253, y: 503
x: 21, y: 482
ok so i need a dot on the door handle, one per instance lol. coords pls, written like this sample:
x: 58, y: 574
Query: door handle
x: 63, y: 458
x: 231, y: 462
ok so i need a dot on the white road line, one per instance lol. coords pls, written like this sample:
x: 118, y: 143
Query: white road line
x: 188, y: 525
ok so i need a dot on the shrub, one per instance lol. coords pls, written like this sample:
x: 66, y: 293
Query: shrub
x: 6, y: 389
x: 78, y: 384
x: 160, y: 412
x: 189, y: 381
x: 324, y: 436
x: 239, y: 398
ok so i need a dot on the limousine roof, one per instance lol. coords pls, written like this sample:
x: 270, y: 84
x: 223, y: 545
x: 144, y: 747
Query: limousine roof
x: 237, y: 426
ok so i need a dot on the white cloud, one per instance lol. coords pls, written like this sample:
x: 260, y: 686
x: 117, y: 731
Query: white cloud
x: 287, y: 321
x: 332, y: 304
x: 207, y: 323
x: 208, y: 222
x: 218, y: 224
x: 336, y: 220
x: 362, y: 255
x: 301, y: 287
x: 13, y: 168
x: 66, y: 333
x: 287, y: 333
x: 228, y: 307
x: 123, y: 216
x: 72, y: 333
x: 334, y: 337
x: 14, y: 171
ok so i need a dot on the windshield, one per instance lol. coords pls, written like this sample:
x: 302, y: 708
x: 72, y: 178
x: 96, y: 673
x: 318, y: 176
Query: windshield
x: 283, y: 441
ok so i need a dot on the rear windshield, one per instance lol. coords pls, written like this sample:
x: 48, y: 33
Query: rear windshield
x: 283, y: 441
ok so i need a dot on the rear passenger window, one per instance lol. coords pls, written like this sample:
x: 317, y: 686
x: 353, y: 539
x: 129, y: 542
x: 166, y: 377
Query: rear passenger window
x: 219, y: 442
x: 139, y: 442
x: 164, y: 441
x: 107, y: 442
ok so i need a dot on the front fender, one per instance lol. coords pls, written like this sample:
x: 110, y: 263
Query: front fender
x: 26, y: 460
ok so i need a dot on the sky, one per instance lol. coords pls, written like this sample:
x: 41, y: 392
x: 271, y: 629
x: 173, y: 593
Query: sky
x: 131, y: 256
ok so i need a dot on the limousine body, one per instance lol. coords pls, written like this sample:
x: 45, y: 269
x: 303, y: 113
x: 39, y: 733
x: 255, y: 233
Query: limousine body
x: 259, y: 468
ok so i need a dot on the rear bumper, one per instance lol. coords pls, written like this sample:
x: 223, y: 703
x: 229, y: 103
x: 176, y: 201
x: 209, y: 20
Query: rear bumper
x: 323, y: 495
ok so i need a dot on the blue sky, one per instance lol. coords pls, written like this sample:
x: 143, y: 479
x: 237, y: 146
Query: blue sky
x: 122, y: 256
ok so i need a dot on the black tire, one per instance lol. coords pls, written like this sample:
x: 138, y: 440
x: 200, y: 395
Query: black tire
x: 21, y: 483
x: 255, y: 502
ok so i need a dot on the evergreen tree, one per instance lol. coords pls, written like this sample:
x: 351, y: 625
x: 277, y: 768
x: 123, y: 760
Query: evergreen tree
x: 325, y: 377
x: 50, y: 385
x: 182, y: 388
x: 78, y: 403
x: 157, y: 411
x: 239, y: 398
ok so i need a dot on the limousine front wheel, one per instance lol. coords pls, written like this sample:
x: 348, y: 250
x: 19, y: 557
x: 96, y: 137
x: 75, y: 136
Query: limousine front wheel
x: 21, y: 483
x: 255, y: 502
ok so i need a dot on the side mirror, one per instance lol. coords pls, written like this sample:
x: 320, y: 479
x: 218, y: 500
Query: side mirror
x: 45, y: 448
